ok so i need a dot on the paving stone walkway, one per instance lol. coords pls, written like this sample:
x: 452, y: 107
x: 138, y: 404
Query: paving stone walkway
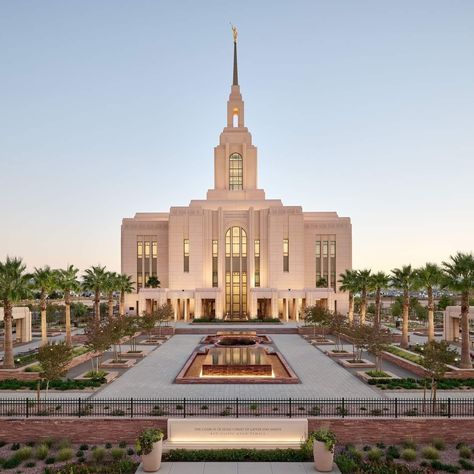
x: 320, y: 375
x: 238, y: 468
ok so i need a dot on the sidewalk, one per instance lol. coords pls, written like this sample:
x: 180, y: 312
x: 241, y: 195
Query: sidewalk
x: 237, y: 468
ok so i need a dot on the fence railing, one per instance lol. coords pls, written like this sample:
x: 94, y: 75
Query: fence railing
x: 237, y: 407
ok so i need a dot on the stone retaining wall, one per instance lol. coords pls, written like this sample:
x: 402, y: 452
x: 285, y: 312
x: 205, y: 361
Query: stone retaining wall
x: 360, y: 430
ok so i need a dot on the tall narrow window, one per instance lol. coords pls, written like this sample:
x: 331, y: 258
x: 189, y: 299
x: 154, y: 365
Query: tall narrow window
x: 332, y: 263
x: 325, y: 263
x: 186, y: 255
x: 318, y: 261
x: 154, y: 249
x: 215, y: 254
x: 235, y: 172
x: 139, y: 281
x: 235, y: 117
x: 139, y: 249
x: 147, y: 249
x: 256, y: 251
x: 286, y: 255
x: 139, y: 262
x: 154, y: 257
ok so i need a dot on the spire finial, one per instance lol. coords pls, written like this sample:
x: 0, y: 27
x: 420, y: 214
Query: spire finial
x: 235, y: 81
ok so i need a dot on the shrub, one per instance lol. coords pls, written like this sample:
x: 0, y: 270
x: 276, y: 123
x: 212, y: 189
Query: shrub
x: 15, y: 446
x: 460, y: 445
x: 237, y: 455
x: 355, y: 453
x: 84, y: 447
x: 438, y: 443
x: 346, y: 464
x: 430, y: 452
x: 146, y: 439
x: 79, y: 454
x: 11, y: 463
x: 117, y: 453
x: 468, y: 466
x: 122, y: 444
x: 42, y: 451
x: 30, y: 444
x: 108, y: 445
x: 439, y: 466
x: 409, y: 454
x: 50, y: 460
x: 23, y: 453
x: 64, y: 443
x: 393, y: 452
x: 2, y: 443
x: 409, y: 443
x: 374, y: 454
x: 30, y: 464
x: 465, y: 452
x: 130, y: 452
x: 65, y: 454
x: 49, y: 442
x: 99, y: 454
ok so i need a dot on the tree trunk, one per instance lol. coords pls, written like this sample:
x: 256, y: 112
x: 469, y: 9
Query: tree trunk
x: 67, y: 302
x: 110, y: 305
x: 363, y: 307
x: 406, y: 308
x: 8, y: 360
x: 465, y: 351
x: 430, y: 315
x: 122, y: 303
x: 351, y: 308
x: 97, y: 306
x: 378, y: 305
x: 44, y: 328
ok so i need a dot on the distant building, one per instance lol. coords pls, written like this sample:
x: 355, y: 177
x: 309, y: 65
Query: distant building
x: 237, y: 254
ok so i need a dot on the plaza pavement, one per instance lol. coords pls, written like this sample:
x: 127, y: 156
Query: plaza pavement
x: 320, y: 376
x: 238, y: 468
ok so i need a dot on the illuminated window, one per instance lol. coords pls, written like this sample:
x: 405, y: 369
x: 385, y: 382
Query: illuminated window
x: 235, y: 117
x: 186, y: 255
x: 286, y: 255
x: 235, y: 172
x: 332, y: 257
x: 139, y: 249
x: 215, y: 250
x: 139, y: 281
x: 256, y: 251
x: 236, y: 271
x: 154, y: 249
x: 147, y: 249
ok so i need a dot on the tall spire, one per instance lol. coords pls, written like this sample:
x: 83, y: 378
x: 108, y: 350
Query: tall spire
x: 235, y: 81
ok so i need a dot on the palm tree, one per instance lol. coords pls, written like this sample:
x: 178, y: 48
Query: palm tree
x: 459, y: 277
x: 428, y: 277
x: 363, y: 285
x: 67, y: 282
x: 404, y: 279
x: 45, y: 281
x: 378, y: 281
x: 110, y: 285
x: 14, y: 286
x: 348, y: 281
x: 94, y: 280
x: 124, y: 285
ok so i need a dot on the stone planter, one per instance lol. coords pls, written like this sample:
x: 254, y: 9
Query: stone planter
x: 349, y: 363
x: 323, y: 459
x: 152, y: 461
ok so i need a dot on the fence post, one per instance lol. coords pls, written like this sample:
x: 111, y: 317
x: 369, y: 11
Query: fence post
x: 79, y: 405
x: 184, y: 407
x: 343, y: 408
x: 237, y: 407
x: 131, y: 407
x: 289, y: 406
x: 27, y: 407
x: 449, y: 407
x: 396, y: 407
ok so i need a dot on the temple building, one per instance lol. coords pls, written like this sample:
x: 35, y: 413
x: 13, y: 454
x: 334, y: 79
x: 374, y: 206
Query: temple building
x: 236, y: 254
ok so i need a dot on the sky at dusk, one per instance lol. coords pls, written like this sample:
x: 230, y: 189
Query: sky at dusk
x: 112, y: 107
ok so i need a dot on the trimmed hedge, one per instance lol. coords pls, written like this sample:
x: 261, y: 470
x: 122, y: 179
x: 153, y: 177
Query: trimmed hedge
x: 411, y: 384
x: 237, y: 455
x: 229, y: 321
x: 15, y: 384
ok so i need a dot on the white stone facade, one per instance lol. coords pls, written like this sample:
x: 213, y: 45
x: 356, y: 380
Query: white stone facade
x: 236, y: 254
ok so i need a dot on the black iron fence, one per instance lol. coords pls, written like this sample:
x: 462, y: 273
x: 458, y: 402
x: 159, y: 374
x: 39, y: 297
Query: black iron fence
x: 237, y: 407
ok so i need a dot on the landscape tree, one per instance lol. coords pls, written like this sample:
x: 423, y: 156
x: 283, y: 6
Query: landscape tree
x: 45, y: 281
x: 378, y: 340
x: 378, y: 282
x: 68, y: 283
x: 338, y: 325
x: 317, y: 316
x: 125, y: 286
x: 437, y: 355
x: 444, y: 302
x: 14, y: 287
x: 459, y: 277
x: 153, y: 282
x: 94, y: 280
x: 428, y: 277
x: 164, y: 314
x: 54, y: 360
x: 404, y: 279
x: 348, y: 284
x: 131, y: 327
x: 98, y: 339
x: 359, y: 336
x: 363, y: 280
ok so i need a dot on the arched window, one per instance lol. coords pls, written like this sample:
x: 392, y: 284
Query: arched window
x: 235, y: 171
x: 235, y: 117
